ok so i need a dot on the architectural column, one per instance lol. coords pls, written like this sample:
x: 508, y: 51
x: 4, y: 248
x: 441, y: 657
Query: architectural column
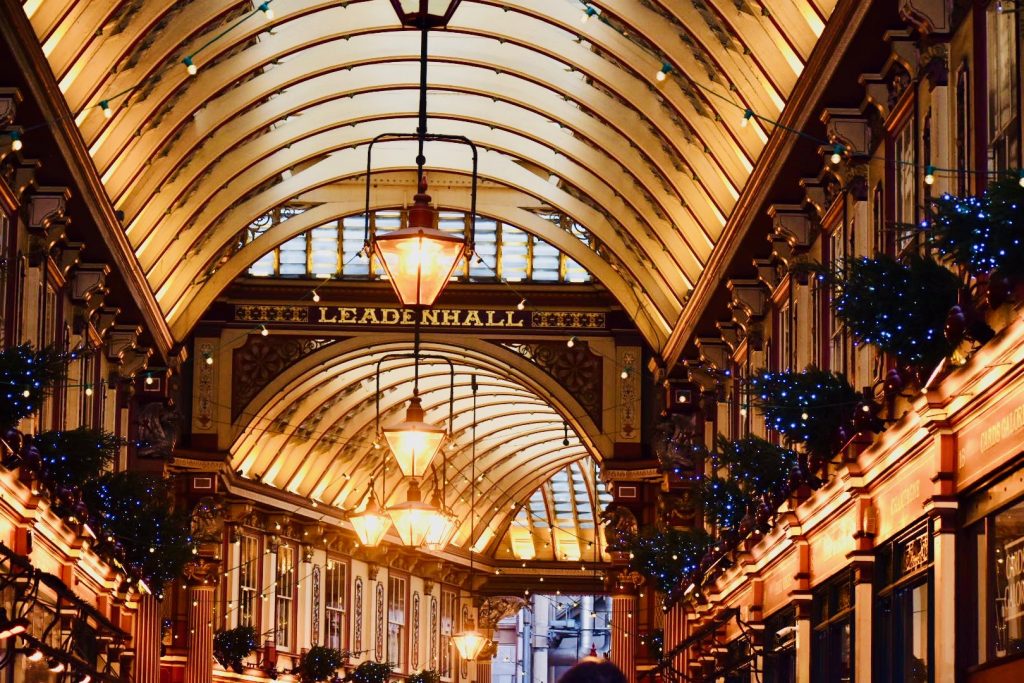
x: 944, y: 580
x: 483, y: 671
x: 147, y: 640
x: 539, y: 645
x: 675, y: 633
x: 586, y: 625
x: 625, y: 603
x: 803, y: 640
x: 199, y: 663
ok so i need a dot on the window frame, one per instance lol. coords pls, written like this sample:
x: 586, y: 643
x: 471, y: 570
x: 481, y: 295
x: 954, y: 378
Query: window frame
x: 250, y: 594
x: 332, y: 566
x: 285, y: 596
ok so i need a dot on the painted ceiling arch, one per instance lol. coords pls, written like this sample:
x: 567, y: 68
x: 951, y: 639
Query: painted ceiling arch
x: 679, y: 157
x: 316, y: 437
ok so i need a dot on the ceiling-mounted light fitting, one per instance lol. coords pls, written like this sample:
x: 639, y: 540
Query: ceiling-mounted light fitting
x: 413, y: 441
x: 469, y: 642
x: 419, y: 259
x: 372, y: 524
x: 429, y: 13
x: 413, y: 518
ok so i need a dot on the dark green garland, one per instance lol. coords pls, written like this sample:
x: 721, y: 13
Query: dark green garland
x: 370, y: 672
x: 72, y: 458
x: 233, y: 645
x: 667, y: 557
x: 321, y: 664
x: 982, y: 234
x: 759, y: 466
x: 425, y: 676
x: 900, y: 308
x: 725, y: 502
x: 134, y: 510
x: 813, y: 407
x: 27, y: 377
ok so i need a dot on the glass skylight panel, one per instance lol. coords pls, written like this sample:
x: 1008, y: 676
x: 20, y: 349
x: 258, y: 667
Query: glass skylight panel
x: 514, y: 253
x: 487, y: 247
x: 293, y: 257
x: 354, y: 264
x: 264, y: 266
x: 546, y: 262
x: 324, y: 251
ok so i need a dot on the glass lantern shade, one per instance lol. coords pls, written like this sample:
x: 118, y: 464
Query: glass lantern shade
x: 412, y: 520
x: 469, y: 642
x: 435, y: 13
x: 419, y: 259
x: 443, y: 525
x: 371, y: 525
x: 414, y: 442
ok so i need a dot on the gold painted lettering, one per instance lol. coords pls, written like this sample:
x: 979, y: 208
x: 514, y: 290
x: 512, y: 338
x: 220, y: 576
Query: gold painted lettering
x: 389, y: 316
x: 429, y: 317
x: 450, y: 318
x: 348, y: 315
x: 491, y: 322
x: 369, y: 317
x: 510, y: 319
x: 407, y: 318
x: 473, y: 318
x: 324, y: 318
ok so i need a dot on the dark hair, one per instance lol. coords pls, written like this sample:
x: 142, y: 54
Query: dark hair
x: 590, y: 671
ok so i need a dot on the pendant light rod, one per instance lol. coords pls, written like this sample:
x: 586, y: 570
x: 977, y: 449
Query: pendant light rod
x: 472, y: 486
x: 421, y: 130
x: 417, y: 356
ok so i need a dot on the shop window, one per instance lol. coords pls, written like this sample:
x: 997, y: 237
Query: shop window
x: 249, y: 560
x: 1003, y: 87
x: 902, y: 628
x: 832, y: 645
x: 905, y: 157
x: 780, y: 647
x: 335, y: 603
x: 396, y: 621
x: 995, y: 548
x: 284, y: 597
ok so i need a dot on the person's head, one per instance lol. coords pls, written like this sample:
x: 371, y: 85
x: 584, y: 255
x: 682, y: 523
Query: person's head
x: 593, y: 671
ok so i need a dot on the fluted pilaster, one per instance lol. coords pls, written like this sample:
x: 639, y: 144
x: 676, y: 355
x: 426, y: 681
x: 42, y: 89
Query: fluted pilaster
x: 147, y: 640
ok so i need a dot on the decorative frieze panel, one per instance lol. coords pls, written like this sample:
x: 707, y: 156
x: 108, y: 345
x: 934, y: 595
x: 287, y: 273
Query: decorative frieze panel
x: 577, y: 369
x: 260, y: 359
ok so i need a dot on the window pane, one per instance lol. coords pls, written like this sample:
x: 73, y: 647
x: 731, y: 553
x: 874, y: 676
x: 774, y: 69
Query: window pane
x: 293, y: 257
x: 264, y: 266
x: 513, y: 253
x: 486, y: 248
x: 354, y: 262
x: 324, y: 248
x: 545, y: 262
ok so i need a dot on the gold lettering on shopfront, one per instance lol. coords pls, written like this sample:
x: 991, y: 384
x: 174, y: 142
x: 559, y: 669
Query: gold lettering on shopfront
x: 344, y: 315
x: 1004, y: 428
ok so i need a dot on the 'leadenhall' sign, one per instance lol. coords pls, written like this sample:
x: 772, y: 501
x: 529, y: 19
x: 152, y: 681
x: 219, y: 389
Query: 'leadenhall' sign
x: 353, y: 316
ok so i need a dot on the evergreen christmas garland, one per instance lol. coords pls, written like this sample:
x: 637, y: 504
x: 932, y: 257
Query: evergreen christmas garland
x: 425, y: 676
x: 27, y: 377
x: 900, y: 308
x: 667, y: 557
x: 370, y: 672
x: 759, y: 466
x: 74, y: 457
x: 322, y: 663
x: 725, y: 502
x: 233, y: 645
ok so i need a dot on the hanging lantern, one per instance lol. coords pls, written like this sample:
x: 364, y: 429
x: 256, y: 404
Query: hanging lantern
x: 469, y: 642
x: 443, y: 525
x: 413, y: 518
x: 371, y: 524
x: 413, y: 441
x: 420, y: 259
x: 431, y: 13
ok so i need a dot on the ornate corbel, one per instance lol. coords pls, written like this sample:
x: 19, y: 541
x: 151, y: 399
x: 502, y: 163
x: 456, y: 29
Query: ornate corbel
x: 731, y: 333
x: 713, y: 351
x: 927, y: 16
x: 791, y: 223
x: 768, y: 272
x: 749, y: 298
x: 104, y: 319
x: 88, y: 287
x: 70, y: 256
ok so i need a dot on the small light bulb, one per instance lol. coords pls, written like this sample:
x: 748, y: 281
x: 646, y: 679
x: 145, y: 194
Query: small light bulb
x: 190, y: 66
x: 624, y: 374
x: 521, y: 305
x: 1021, y: 181
x: 209, y: 360
x: 107, y: 111
x: 264, y: 331
x: 88, y: 390
x: 267, y: 12
x: 588, y: 12
x: 866, y: 408
x: 16, y: 143
x: 743, y: 412
x: 929, y: 175
x: 837, y: 154
x: 804, y: 416
x: 663, y: 72
x: 747, y: 115
x: 571, y: 343
x: 316, y: 298
x: 149, y: 380
x: 26, y: 393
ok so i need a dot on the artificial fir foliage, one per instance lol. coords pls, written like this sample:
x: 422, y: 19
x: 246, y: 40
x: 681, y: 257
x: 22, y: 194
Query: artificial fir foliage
x: 667, y: 557
x: 321, y: 663
x: 233, y: 645
x: 425, y: 676
x: 27, y: 376
x: 135, y: 510
x: 72, y: 458
x: 982, y: 234
x: 369, y: 672
x: 759, y: 466
x: 725, y: 502
x: 900, y: 308
x: 814, y: 408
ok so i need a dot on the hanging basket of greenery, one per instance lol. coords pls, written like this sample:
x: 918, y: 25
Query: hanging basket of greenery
x: 134, y: 510
x: 983, y: 234
x: 72, y: 458
x: 27, y: 376
x: 425, y: 676
x: 900, y: 308
x: 666, y: 557
x: 369, y: 672
x: 757, y: 465
x: 725, y: 503
x: 321, y: 664
x: 233, y: 645
x: 814, y: 408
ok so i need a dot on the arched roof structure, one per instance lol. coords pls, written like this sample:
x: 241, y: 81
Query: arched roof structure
x: 653, y: 169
